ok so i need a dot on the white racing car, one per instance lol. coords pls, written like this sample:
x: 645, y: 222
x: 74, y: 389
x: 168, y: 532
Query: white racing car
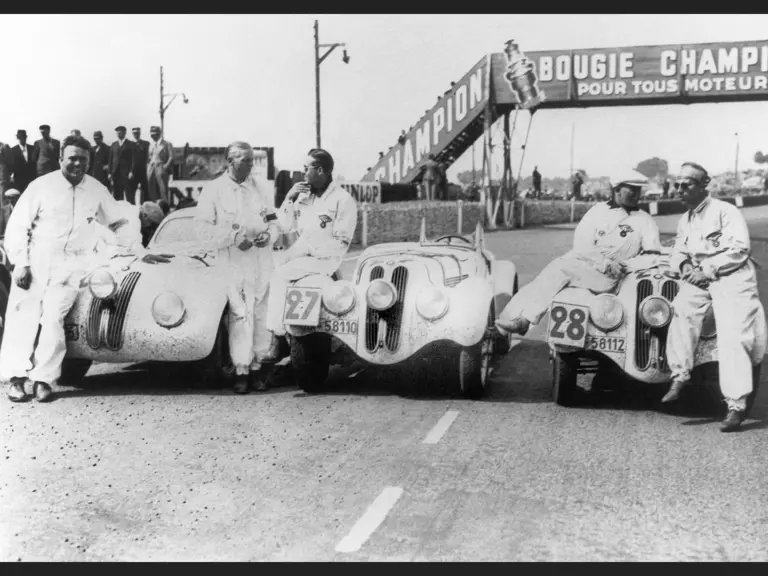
x: 405, y: 300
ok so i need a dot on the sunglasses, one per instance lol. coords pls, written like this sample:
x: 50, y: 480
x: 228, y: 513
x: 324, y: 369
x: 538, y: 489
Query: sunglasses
x: 685, y: 184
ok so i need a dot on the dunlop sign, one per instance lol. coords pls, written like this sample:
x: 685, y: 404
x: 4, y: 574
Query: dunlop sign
x: 369, y: 192
x: 621, y: 76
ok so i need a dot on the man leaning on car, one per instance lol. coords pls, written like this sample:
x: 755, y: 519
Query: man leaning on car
x: 712, y: 255
x: 51, y: 238
x: 236, y: 217
x: 325, y: 216
x: 609, y: 234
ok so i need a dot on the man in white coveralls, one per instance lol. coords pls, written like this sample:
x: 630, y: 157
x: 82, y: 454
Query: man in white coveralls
x: 51, y: 239
x: 325, y: 217
x: 609, y: 234
x: 711, y: 254
x: 236, y: 217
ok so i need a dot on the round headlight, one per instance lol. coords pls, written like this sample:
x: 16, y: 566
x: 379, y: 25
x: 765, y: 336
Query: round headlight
x: 339, y: 297
x: 606, y: 312
x: 168, y: 309
x: 655, y: 311
x: 432, y: 303
x: 381, y: 295
x: 102, y: 284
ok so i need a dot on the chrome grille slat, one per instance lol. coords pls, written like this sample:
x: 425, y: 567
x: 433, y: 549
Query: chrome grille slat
x: 642, y: 336
x: 372, y: 316
x: 117, y: 319
x: 668, y: 290
x: 93, y: 327
x: 395, y: 314
x: 113, y: 338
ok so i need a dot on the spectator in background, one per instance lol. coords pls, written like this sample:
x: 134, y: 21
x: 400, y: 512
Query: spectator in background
x: 140, y: 165
x: 442, y: 183
x: 5, y: 168
x: 577, y: 182
x: 159, y: 166
x: 20, y: 160
x: 99, y: 166
x: 401, y: 138
x: 536, y: 182
x: 121, y: 166
x: 665, y: 188
x: 46, y: 152
x: 431, y: 177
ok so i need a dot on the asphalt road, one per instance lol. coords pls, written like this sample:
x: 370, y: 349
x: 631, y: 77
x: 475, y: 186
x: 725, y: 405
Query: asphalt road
x: 387, y: 466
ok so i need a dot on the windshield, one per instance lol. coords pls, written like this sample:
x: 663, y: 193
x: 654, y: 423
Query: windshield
x: 176, y: 231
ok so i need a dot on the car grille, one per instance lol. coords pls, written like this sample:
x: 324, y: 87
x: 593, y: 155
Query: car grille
x: 110, y: 335
x: 393, y: 317
x: 644, y: 335
x: 372, y: 316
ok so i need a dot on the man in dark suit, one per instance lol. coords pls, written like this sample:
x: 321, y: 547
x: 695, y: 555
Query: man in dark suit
x: 121, y: 166
x: 140, y: 159
x: 99, y: 165
x: 46, y: 152
x: 21, y: 165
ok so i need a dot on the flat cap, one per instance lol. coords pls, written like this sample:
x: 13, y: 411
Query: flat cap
x: 44, y: 127
x: 120, y: 128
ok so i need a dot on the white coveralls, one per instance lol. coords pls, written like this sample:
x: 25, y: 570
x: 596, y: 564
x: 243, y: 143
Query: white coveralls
x: 715, y: 237
x: 54, y: 229
x: 228, y: 212
x: 326, y: 226
x: 605, y: 233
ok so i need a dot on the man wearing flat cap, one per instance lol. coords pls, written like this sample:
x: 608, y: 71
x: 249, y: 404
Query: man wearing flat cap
x: 159, y: 166
x: 46, y: 152
x: 140, y: 160
x: 99, y: 166
x: 121, y: 166
x: 22, y: 167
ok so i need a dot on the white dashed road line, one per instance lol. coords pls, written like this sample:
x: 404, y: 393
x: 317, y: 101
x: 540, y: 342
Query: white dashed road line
x: 371, y: 520
x: 441, y: 427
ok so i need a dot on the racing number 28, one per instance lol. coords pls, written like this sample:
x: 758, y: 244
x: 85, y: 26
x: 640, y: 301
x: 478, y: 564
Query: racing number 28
x: 293, y: 298
x: 575, y: 330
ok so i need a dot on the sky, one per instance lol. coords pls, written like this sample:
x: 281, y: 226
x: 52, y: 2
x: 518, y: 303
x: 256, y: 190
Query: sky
x: 251, y: 77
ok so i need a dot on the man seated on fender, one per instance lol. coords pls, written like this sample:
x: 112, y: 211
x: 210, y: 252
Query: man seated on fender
x: 325, y: 217
x: 608, y: 235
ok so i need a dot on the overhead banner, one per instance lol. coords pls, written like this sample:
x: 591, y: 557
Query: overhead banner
x: 683, y: 73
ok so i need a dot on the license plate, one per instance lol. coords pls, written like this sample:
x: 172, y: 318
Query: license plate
x: 340, y: 326
x: 568, y: 324
x: 606, y: 344
x: 302, y: 306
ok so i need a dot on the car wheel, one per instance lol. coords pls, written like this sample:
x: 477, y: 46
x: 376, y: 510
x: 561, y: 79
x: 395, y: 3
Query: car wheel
x: 73, y: 370
x: 756, y: 370
x: 3, y: 308
x: 310, y: 359
x: 565, y: 391
x: 217, y: 369
x: 475, y: 362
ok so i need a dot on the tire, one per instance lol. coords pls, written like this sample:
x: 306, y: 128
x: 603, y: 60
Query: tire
x: 73, y: 370
x: 3, y: 308
x: 310, y: 359
x: 216, y: 369
x: 474, y: 371
x: 565, y: 391
x: 475, y: 362
x: 756, y: 370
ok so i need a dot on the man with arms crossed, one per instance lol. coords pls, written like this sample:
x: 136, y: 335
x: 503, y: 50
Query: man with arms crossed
x: 711, y: 254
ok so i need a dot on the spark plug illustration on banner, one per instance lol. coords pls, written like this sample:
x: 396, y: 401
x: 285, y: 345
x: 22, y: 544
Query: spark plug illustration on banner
x: 521, y: 77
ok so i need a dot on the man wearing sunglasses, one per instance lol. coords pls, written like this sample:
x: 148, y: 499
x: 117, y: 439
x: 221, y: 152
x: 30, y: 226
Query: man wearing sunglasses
x: 711, y: 255
x: 607, y: 237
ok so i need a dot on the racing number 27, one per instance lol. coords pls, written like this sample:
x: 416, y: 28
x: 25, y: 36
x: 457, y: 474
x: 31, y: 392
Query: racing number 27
x: 575, y: 330
x: 293, y: 298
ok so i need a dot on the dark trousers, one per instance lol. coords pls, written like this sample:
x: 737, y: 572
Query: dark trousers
x: 122, y: 188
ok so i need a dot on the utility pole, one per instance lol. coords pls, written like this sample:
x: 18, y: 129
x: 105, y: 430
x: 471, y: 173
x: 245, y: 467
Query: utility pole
x: 319, y: 60
x: 163, y: 106
x: 736, y: 162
